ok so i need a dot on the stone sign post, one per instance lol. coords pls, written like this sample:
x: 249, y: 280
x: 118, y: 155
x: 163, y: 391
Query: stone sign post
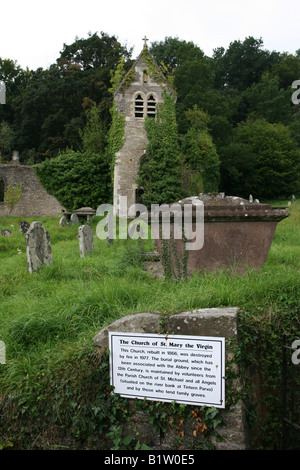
x: 188, y: 369
x: 186, y: 366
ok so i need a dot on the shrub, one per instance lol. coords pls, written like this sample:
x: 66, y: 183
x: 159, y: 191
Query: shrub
x: 77, y: 179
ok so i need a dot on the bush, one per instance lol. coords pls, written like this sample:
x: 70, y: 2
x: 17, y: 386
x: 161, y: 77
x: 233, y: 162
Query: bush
x: 77, y: 179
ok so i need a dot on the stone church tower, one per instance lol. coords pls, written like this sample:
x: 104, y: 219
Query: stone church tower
x: 137, y: 97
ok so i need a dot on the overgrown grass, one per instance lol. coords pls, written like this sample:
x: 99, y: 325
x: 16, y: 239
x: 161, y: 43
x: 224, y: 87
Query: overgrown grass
x: 48, y: 317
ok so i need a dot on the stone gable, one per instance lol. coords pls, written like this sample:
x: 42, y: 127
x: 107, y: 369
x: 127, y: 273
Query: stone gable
x: 35, y: 201
x: 135, y: 101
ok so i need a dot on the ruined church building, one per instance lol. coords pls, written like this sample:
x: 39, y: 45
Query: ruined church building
x: 135, y: 101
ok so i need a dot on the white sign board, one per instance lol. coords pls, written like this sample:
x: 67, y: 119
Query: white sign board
x: 185, y: 369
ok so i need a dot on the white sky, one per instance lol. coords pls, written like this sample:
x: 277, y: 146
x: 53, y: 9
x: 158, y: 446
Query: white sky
x: 33, y: 32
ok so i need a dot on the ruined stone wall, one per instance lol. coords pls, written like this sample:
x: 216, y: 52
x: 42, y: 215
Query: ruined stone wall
x: 35, y: 201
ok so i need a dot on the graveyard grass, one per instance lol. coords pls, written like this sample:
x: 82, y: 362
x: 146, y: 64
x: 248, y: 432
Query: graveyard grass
x: 48, y: 319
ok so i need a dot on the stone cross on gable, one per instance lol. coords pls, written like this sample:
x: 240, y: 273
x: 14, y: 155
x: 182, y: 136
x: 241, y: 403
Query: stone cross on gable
x: 145, y: 42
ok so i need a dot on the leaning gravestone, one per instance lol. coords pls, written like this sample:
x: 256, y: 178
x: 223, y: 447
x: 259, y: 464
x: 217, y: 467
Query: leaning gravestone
x: 86, y: 240
x: 74, y: 219
x: 63, y: 221
x: 38, y: 247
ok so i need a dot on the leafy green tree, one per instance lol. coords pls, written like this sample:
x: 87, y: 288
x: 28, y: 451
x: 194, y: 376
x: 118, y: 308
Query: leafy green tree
x: 263, y: 160
x: 266, y: 100
x: 51, y: 109
x: 192, y: 73
x: 242, y: 64
x: 15, y: 79
x: 238, y: 169
x: 287, y: 69
x: 6, y: 140
x: 159, y: 176
x: 173, y: 52
x: 200, y: 155
x: 96, y: 51
x: 93, y: 135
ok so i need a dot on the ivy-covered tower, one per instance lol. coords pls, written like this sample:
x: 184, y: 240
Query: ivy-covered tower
x: 137, y: 96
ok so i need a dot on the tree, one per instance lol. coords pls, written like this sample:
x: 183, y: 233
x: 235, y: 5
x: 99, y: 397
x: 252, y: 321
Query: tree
x: 287, y: 69
x: 51, y: 109
x: 6, y: 139
x: 93, y: 135
x: 159, y: 177
x: 199, y: 153
x: 242, y: 64
x: 266, y: 100
x: 263, y: 159
x: 96, y: 51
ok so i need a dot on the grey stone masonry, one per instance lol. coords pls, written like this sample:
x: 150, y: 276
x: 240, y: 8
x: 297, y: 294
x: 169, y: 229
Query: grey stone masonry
x: 38, y: 247
x: 135, y: 101
x: 35, y: 201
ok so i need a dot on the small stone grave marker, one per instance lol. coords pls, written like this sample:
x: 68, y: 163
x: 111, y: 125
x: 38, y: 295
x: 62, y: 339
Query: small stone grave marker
x: 63, y: 221
x: 74, y: 219
x: 86, y: 240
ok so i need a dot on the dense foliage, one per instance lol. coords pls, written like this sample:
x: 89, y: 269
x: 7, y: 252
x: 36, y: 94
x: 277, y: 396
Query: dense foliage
x: 200, y: 158
x: 159, y: 176
x: 76, y: 179
x: 46, y: 110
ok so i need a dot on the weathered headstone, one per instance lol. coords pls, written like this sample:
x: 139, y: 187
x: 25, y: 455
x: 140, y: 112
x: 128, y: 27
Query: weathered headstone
x: 63, y: 221
x: 24, y: 226
x: 86, y: 240
x: 74, y: 219
x: 38, y: 247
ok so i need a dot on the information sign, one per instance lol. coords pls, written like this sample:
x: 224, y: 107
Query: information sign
x: 185, y: 369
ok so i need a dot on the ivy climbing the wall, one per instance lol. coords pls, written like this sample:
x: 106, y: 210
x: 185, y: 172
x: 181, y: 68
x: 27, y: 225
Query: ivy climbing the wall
x: 159, y: 177
x: 116, y: 132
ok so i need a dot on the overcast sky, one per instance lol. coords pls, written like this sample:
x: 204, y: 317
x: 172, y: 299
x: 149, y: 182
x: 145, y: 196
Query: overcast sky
x: 33, y: 32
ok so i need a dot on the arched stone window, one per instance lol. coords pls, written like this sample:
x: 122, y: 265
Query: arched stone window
x: 151, y: 106
x: 139, y: 106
